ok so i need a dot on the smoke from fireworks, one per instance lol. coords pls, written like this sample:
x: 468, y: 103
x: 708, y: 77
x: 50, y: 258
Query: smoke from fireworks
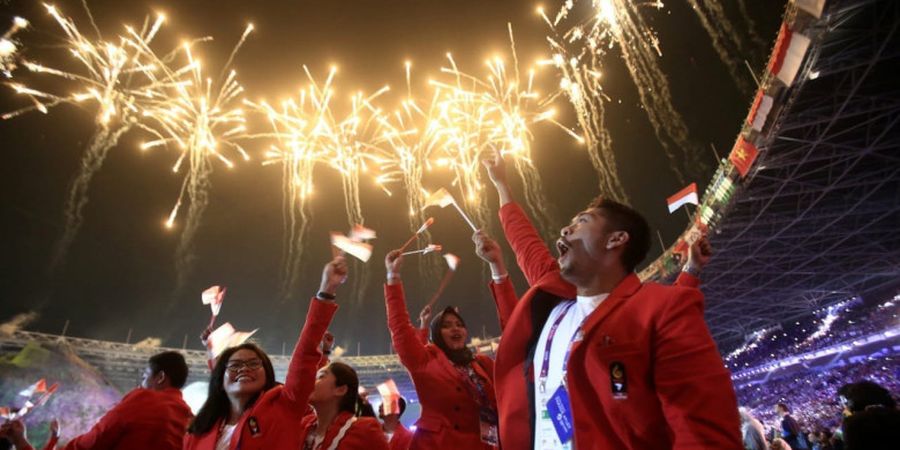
x: 728, y: 44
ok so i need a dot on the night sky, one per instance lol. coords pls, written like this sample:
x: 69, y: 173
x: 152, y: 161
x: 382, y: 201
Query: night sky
x: 119, y: 274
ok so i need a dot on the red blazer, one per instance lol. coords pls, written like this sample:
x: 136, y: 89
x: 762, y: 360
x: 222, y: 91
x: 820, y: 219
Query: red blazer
x: 277, y: 413
x: 144, y: 419
x: 364, y: 434
x: 401, y: 439
x: 679, y: 394
x: 450, y: 413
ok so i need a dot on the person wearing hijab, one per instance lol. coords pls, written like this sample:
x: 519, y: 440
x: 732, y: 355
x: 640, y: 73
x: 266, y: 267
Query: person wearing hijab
x: 455, y: 386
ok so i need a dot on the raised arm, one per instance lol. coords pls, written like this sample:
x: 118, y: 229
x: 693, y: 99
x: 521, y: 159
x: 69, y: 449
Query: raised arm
x: 700, y: 406
x: 424, y: 321
x: 404, y: 336
x: 501, y: 287
x: 301, y: 374
x: 699, y: 255
x: 531, y: 251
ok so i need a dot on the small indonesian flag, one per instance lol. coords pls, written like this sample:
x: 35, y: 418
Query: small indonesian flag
x: 790, y: 48
x: 686, y: 195
x: 360, y: 233
x: 440, y: 198
x: 390, y: 397
x: 213, y: 297
x: 762, y: 105
x: 360, y: 250
x: 36, y: 388
x: 425, y: 225
x: 226, y: 336
x: 743, y: 155
x: 452, y: 260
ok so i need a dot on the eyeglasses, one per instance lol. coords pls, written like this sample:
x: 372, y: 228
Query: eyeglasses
x: 236, y: 365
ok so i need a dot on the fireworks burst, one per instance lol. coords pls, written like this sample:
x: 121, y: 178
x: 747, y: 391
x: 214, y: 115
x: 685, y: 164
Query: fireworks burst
x: 727, y: 43
x: 203, y: 120
x: 119, y: 77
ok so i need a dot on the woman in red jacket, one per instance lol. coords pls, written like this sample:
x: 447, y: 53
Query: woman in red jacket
x: 454, y: 386
x: 336, y: 424
x: 246, y: 408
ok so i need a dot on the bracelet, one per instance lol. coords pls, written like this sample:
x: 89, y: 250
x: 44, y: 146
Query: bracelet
x: 326, y: 296
x: 391, y: 275
x: 692, y: 270
x: 500, y: 278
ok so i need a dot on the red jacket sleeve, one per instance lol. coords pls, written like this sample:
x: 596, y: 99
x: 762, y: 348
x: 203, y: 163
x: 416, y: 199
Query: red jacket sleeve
x: 301, y: 375
x: 693, y: 385
x: 423, y: 335
x: 531, y: 251
x: 404, y: 336
x: 107, y: 432
x: 505, y: 298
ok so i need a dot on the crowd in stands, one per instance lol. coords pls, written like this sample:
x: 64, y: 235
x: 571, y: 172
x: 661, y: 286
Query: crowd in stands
x: 830, y: 326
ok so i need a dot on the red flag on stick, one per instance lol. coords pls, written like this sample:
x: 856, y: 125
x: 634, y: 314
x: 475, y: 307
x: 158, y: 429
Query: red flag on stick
x: 743, y: 155
x: 683, y: 197
x: 390, y: 397
x: 452, y: 263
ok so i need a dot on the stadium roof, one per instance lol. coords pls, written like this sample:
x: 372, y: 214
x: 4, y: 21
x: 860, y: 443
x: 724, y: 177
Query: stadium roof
x: 816, y: 220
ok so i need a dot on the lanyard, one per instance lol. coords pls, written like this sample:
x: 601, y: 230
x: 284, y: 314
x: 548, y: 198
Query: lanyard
x: 545, y: 365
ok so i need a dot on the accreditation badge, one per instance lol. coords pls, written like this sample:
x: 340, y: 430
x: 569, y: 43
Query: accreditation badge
x: 561, y: 414
x: 253, y: 424
x: 490, y: 434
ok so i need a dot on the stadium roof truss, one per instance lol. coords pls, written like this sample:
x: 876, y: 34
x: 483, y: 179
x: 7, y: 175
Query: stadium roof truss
x: 817, y: 219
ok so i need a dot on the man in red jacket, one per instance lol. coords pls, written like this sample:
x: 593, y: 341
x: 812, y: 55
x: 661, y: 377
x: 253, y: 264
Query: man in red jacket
x: 153, y: 416
x: 591, y: 357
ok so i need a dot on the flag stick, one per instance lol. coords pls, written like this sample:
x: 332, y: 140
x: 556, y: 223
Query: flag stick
x: 444, y: 282
x: 463, y: 214
x: 661, y: 244
x: 428, y: 249
x: 410, y: 241
x: 212, y: 321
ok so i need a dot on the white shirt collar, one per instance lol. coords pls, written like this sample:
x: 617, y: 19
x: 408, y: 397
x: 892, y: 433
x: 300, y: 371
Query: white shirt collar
x: 591, y: 301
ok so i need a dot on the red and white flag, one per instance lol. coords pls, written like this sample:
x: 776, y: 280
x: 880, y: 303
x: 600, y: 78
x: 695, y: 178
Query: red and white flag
x: 440, y: 198
x: 390, y: 397
x: 790, y: 48
x: 213, y: 297
x: 452, y: 260
x: 682, y: 197
x: 743, y: 155
x: 226, y: 336
x: 360, y: 233
x: 762, y: 106
x: 360, y: 250
x: 814, y: 7
x: 36, y: 388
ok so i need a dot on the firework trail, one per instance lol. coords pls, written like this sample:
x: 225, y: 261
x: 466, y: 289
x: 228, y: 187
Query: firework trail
x: 619, y: 23
x: 727, y: 43
x: 298, y: 131
x: 120, y: 77
x: 202, y: 119
x: 580, y: 82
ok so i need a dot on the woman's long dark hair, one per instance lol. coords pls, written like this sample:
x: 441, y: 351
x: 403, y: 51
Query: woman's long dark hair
x: 217, y: 405
x: 344, y: 375
x: 462, y: 356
